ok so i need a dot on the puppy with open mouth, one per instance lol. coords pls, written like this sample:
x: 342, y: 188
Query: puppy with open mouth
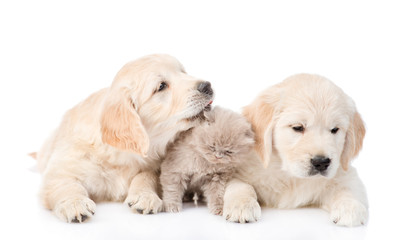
x: 108, y: 147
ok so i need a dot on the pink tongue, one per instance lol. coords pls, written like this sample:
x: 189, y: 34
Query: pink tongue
x: 210, y: 102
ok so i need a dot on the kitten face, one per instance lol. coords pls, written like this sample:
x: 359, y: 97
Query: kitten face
x: 225, y: 137
x: 220, y: 153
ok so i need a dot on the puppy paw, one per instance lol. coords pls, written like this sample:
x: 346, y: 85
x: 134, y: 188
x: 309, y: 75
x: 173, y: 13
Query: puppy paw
x: 349, y: 213
x: 75, y: 210
x: 242, y: 210
x: 144, y: 203
x: 172, y: 207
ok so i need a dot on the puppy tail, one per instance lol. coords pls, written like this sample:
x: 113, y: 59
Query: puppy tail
x: 34, y: 155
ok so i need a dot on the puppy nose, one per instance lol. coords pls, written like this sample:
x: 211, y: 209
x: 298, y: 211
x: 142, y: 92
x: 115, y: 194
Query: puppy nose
x: 320, y: 163
x: 205, y: 87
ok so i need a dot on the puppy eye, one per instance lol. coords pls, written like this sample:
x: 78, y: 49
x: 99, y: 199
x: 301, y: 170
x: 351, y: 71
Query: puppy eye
x: 334, y: 130
x: 299, y: 129
x: 163, y: 85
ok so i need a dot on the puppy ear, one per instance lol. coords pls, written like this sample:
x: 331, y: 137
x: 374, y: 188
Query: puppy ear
x: 354, y: 139
x: 121, y: 126
x: 260, y: 114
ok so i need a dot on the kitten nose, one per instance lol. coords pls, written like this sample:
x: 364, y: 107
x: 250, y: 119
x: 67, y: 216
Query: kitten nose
x: 320, y: 163
x: 219, y: 155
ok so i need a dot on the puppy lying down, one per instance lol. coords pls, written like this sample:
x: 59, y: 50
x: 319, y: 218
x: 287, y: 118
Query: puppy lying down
x: 204, y: 158
x: 108, y: 147
x: 307, y: 133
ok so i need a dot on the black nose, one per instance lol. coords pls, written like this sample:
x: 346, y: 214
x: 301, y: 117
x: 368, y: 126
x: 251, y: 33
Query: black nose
x: 205, y: 87
x: 320, y: 163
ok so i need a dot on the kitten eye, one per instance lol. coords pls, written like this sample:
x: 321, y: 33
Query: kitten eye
x: 229, y: 152
x: 163, y: 85
x: 299, y: 129
x: 212, y: 148
x: 334, y: 130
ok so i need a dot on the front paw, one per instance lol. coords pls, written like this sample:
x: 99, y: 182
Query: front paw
x: 349, y: 213
x: 172, y: 207
x: 144, y: 203
x: 242, y: 210
x: 75, y: 210
x: 216, y: 210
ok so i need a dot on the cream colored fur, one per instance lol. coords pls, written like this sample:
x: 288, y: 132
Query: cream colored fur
x: 279, y: 173
x: 108, y: 147
x: 204, y: 159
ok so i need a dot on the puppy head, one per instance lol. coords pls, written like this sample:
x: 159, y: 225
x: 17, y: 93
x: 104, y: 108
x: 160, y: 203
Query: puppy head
x: 311, y: 124
x: 151, y: 97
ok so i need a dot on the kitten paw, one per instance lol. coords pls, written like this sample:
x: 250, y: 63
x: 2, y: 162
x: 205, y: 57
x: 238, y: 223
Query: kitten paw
x: 216, y: 211
x: 172, y: 207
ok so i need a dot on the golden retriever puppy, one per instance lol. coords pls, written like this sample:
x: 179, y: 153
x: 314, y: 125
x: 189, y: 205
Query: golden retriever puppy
x: 108, y: 147
x: 307, y: 132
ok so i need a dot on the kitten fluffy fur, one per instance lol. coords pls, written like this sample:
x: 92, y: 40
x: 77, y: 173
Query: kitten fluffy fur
x: 204, y: 158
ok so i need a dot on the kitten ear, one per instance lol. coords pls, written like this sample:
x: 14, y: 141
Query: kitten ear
x: 250, y: 134
x: 211, y: 115
x: 249, y: 137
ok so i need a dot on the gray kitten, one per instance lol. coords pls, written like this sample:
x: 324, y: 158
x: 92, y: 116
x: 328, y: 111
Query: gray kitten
x: 204, y: 158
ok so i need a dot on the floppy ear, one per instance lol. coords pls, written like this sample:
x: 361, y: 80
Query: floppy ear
x: 354, y: 139
x: 121, y: 126
x: 260, y: 114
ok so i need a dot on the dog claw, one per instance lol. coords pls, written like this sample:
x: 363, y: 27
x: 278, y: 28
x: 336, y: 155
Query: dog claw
x: 83, y: 217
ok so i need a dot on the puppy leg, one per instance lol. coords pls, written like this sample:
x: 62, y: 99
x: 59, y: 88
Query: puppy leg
x: 348, y: 204
x: 67, y: 198
x: 214, y: 192
x: 240, y: 202
x: 142, y: 196
x: 173, y: 189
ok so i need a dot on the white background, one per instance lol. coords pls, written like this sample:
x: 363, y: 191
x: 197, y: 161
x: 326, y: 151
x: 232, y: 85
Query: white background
x: 53, y: 54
